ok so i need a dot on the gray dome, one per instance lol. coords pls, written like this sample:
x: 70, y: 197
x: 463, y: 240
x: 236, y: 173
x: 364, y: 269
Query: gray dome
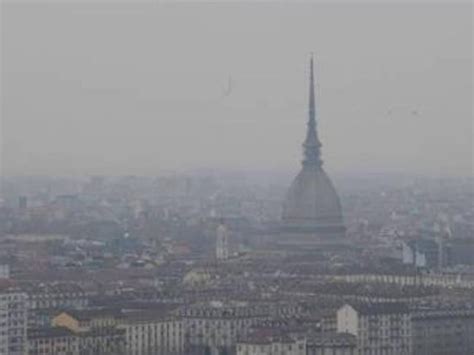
x: 312, y: 203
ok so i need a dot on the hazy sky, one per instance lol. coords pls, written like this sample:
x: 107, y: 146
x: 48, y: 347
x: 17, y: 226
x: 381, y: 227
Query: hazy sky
x: 141, y: 88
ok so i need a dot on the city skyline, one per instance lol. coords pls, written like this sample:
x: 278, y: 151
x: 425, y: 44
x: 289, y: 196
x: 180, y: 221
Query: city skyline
x: 237, y: 178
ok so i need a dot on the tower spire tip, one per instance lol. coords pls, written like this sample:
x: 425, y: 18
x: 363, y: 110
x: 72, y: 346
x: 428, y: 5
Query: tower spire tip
x: 312, y: 145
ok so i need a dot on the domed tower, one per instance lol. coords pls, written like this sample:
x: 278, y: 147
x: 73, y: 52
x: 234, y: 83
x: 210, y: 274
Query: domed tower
x: 312, y: 211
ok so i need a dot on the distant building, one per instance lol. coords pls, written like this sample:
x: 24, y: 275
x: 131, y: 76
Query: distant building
x: 329, y: 321
x: 52, y: 340
x: 102, y: 341
x: 222, y: 243
x: 331, y: 343
x: 130, y: 332
x: 22, y: 203
x: 443, y: 332
x: 199, y: 277
x: 436, y: 253
x: 151, y: 332
x: 87, y: 319
x: 13, y: 320
x: 461, y: 251
x: 424, y: 253
x: 271, y: 344
x: 3, y: 324
x: 43, y: 297
x: 312, y: 212
x: 96, y: 329
x: 4, y: 271
x: 214, y: 328
x: 380, y: 328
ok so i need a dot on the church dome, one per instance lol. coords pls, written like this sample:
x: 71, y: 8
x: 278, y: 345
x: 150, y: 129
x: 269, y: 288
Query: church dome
x: 312, y: 203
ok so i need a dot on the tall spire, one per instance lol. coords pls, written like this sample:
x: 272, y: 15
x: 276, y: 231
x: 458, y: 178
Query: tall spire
x: 312, y: 145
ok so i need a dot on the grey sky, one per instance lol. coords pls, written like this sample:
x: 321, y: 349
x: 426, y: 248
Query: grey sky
x: 141, y: 88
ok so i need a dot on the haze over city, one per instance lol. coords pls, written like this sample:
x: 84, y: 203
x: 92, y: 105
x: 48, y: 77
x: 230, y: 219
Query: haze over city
x: 146, y: 88
x: 236, y: 178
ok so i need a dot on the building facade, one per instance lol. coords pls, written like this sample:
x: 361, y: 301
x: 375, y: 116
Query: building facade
x: 215, y: 328
x: 443, y: 332
x: 4, y: 271
x: 260, y: 344
x: 312, y: 212
x: 13, y: 321
x: 96, y: 329
x: 3, y: 324
x: 148, y: 333
x: 331, y: 344
x: 222, y: 243
x: 380, y: 328
x: 53, y: 341
x: 44, y: 297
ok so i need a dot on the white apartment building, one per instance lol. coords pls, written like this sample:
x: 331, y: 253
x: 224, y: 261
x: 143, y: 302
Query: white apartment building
x: 13, y: 321
x: 147, y: 333
x: 380, y: 328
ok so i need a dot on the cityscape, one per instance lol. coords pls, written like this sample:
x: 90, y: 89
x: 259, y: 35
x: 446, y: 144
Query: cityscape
x: 216, y: 261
